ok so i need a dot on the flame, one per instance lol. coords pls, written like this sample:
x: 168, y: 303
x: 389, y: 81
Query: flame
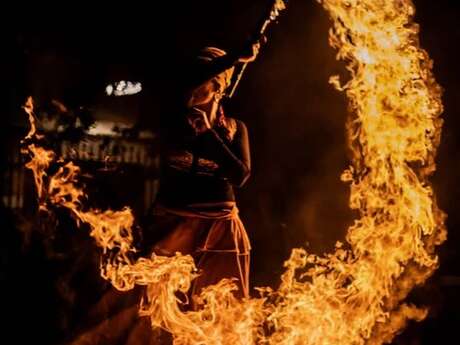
x: 356, y: 294
x: 29, y: 109
x: 40, y: 158
x: 163, y: 277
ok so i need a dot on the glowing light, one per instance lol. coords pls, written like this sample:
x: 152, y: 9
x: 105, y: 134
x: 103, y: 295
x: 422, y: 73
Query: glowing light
x: 123, y: 88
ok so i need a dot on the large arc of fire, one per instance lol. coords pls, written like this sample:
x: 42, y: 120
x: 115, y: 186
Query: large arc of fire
x: 356, y: 294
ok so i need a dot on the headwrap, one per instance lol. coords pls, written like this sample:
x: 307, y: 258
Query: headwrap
x: 228, y: 126
x: 210, y: 53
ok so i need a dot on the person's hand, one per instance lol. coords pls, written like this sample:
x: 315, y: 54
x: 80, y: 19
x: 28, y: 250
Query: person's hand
x: 253, y: 51
x: 198, y: 120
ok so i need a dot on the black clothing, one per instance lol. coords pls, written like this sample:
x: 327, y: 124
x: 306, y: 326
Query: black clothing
x: 203, y: 168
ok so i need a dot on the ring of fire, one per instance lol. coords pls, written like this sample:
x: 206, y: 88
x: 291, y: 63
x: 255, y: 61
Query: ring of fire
x: 356, y: 294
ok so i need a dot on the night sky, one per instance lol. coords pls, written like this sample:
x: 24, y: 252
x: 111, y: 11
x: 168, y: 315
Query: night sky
x: 295, y: 118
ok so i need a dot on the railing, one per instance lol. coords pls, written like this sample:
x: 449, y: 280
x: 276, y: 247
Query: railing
x: 139, y: 157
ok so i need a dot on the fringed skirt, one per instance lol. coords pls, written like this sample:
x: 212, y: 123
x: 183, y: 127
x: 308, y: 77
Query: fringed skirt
x: 214, y: 235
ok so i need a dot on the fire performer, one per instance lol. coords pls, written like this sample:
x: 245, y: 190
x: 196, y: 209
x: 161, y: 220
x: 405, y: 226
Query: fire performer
x: 205, y: 154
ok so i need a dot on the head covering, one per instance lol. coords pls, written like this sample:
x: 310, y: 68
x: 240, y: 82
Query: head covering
x: 207, y: 54
x: 226, y: 125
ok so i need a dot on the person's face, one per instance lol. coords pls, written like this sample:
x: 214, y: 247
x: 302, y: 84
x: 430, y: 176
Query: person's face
x: 207, y: 92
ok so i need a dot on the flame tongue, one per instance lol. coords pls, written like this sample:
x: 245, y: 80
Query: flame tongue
x: 354, y: 295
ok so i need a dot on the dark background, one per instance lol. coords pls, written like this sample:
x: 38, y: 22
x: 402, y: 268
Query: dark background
x: 295, y: 118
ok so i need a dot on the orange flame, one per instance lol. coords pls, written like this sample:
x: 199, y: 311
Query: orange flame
x: 356, y: 294
x: 29, y: 109
x: 40, y: 158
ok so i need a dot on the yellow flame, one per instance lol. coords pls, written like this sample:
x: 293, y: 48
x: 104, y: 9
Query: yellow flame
x: 29, y: 109
x: 356, y: 294
x: 40, y: 158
